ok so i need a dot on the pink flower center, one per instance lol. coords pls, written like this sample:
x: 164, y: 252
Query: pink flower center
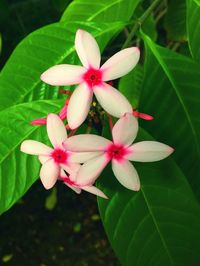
x: 59, y: 156
x: 93, y: 77
x: 116, y: 151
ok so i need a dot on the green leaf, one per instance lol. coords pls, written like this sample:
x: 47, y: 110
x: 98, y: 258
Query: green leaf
x: 77, y: 228
x: 6, y: 258
x: 175, y: 20
x: 160, y: 224
x: 130, y: 85
x: 18, y: 171
x: 100, y: 10
x: 171, y: 94
x: 149, y: 27
x: 149, y: 24
x: 19, y: 18
x: 51, y: 200
x: 48, y: 46
x: 193, y: 27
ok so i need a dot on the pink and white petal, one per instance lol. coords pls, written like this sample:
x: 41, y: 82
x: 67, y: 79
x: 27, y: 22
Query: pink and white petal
x: 62, y: 173
x: 148, y: 151
x: 61, y: 75
x: 79, y: 105
x: 126, y: 174
x: 120, y: 63
x: 75, y: 189
x: 82, y: 157
x: 87, y: 49
x: 49, y: 174
x: 68, y: 178
x: 43, y: 158
x: 94, y: 190
x: 71, y: 168
x: 90, y: 170
x: 34, y: 147
x: 56, y: 130
x: 112, y: 101
x: 86, y: 143
x: 68, y: 181
x: 125, y: 130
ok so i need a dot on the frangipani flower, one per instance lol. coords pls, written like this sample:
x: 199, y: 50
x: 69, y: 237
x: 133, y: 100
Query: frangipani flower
x: 72, y: 182
x: 52, y: 159
x: 119, y: 151
x: 91, y: 79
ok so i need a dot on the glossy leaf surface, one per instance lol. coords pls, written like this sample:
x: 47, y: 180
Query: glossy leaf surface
x: 100, y: 11
x: 159, y: 225
x: 171, y: 94
x: 175, y: 20
x: 18, y: 170
x: 193, y: 27
x: 130, y: 85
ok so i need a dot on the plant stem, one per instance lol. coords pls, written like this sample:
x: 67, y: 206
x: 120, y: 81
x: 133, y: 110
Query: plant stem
x: 139, y: 22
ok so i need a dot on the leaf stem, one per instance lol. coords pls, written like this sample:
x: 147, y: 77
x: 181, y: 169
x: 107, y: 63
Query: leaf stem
x: 139, y: 22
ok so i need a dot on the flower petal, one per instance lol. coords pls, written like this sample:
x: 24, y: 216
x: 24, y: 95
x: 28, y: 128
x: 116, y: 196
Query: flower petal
x: 49, y: 174
x: 82, y: 157
x: 79, y: 105
x: 87, y: 49
x: 75, y: 189
x: 70, y: 178
x: 61, y: 75
x: 112, y: 100
x: 126, y: 174
x: 56, y: 130
x: 125, y: 130
x: 90, y: 170
x: 71, y: 168
x: 94, y: 190
x: 120, y: 64
x: 86, y: 143
x: 43, y: 158
x: 148, y: 151
x: 34, y: 147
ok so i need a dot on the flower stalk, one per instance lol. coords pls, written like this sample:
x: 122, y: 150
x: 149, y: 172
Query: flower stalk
x: 139, y: 22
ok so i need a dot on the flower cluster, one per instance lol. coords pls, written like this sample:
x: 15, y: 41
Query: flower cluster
x: 78, y: 160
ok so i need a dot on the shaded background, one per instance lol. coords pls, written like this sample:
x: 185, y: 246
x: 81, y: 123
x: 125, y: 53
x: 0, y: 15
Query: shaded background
x: 20, y: 17
x: 69, y: 234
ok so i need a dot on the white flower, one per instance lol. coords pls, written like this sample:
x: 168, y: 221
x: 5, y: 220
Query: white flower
x: 119, y: 151
x: 72, y: 182
x: 91, y: 79
x: 52, y: 159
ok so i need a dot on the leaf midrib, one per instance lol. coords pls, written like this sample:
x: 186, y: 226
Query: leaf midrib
x: 103, y: 9
x: 157, y: 227
x: 190, y: 4
x: 153, y: 219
